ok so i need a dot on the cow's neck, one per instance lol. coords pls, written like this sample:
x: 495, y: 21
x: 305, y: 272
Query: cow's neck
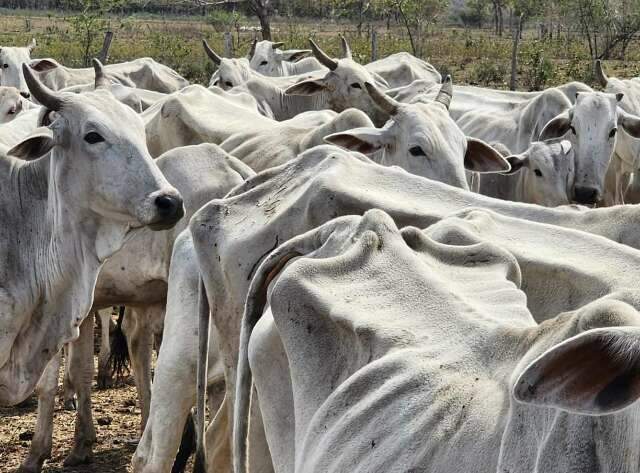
x: 291, y: 105
x: 62, y: 247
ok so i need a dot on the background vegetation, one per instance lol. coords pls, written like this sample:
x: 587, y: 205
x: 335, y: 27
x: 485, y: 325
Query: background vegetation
x: 470, y: 39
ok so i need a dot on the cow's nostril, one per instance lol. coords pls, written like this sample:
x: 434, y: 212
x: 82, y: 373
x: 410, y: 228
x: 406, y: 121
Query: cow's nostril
x: 167, y: 205
x: 26, y: 95
x: 586, y: 195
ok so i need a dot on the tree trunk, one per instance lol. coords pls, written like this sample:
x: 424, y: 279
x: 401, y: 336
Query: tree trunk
x: 514, y: 54
x: 262, y: 12
x: 496, y: 22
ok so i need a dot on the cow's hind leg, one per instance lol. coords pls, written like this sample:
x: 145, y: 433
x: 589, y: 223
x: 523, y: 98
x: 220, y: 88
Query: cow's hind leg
x: 42, y: 439
x: 81, y: 376
x: 105, y: 377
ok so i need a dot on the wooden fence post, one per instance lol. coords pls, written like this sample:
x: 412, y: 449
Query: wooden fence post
x: 228, y: 44
x: 374, y: 45
x: 514, y: 54
x: 106, y: 44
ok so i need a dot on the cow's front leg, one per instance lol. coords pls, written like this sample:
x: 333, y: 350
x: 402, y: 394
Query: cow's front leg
x: 81, y: 377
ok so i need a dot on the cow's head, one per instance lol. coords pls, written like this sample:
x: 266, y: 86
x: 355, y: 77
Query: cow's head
x: 99, y: 159
x: 231, y: 72
x: 592, y: 124
x: 344, y: 83
x: 11, y: 61
x: 267, y: 57
x: 548, y: 168
x: 11, y: 103
x: 423, y: 139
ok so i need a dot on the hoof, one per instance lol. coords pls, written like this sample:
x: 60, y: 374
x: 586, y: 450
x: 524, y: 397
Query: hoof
x: 70, y: 404
x: 75, y: 459
x: 104, y: 381
x: 28, y: 469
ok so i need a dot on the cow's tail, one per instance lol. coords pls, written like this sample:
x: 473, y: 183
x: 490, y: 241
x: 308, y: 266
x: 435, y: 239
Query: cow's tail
x: 200, y: 463
x: 119, y: 357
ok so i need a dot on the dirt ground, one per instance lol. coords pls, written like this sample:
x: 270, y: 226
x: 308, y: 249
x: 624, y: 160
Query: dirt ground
x: 117, y: 439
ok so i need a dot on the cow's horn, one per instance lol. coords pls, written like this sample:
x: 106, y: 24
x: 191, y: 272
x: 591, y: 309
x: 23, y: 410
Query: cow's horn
x: 386, y: 103
x: 211, y: 53
x: 446, y: 92
x: 41, y: 92
x: 322, y: 57
x: 346, y: 50
x: 600, y: 75
x: 101, y: 81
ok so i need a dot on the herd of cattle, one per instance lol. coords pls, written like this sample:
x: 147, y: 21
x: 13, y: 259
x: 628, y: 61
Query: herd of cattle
x: 354, y: 268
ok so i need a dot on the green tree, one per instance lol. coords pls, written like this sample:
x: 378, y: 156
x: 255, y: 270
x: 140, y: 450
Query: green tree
x: 90, y: 23
x: 416, y: 16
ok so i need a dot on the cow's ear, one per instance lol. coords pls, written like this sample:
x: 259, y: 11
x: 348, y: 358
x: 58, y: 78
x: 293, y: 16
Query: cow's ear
x: 556, y: 127
x: 595, y: 373
x: 37, y: 144
x: 307, y: 87
x: 517, y: 162
x: 480, y: 157
x: 566, y: 146
x: 364, y: 140
x: 41, y: 65
x: 294, y: 55
x: 629, y: 123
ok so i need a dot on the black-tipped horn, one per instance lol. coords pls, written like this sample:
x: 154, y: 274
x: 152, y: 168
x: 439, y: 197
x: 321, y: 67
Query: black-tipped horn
x: 211, y: 53
x: 322, y: 57
x: 386, y: 103
x: 346, y: 50
x: 277, y: 45
x: 252, y: 51
x: 101, y: 81
x: 446, y: 92
x: 600, y: 74
x: 41, y: 92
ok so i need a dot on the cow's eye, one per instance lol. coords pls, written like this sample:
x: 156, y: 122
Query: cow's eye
x: 537, y: 172
x: 5, y: 66
x: 92, y: 138
x: 228, y: 84
x: 613, y: 132
x: 216, y: 82
x: 264, y: 63
x: 355, y: 85
x: 573, y: 130
x: 417, y: 151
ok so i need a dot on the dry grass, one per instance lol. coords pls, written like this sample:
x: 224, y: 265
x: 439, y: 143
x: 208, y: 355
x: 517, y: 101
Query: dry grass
x: 471, y: 56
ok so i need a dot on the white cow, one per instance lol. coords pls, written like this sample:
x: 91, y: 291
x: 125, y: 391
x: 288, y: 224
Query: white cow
x: 423, y: 139
x: 268, y: 59
x: 401, y: 69
x: 137, y: 99
x: 326, y: 183
x: 136, y: 276
x: 198, y: 115
x: 415, y: 361
x: 542, y: 175
x: 104, y: 200
x: 11, y: 61
x: 625, y: 159
x: 143, y: 73
x: 590, y: 124
x: 340, y: 88
x: 12, y: 103
x: 234, y: 72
